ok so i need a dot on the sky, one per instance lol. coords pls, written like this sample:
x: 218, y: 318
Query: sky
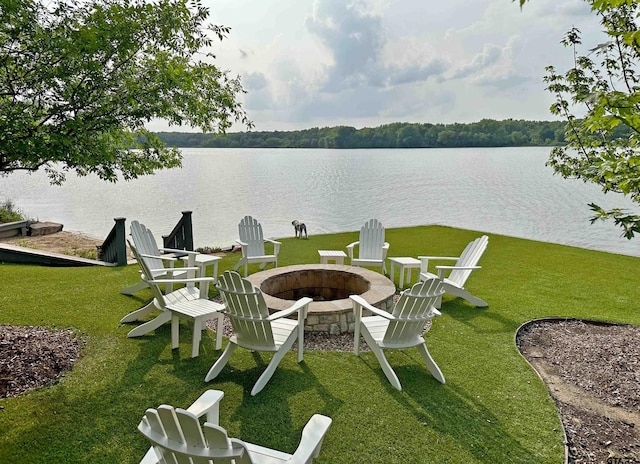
x: 363, y: 63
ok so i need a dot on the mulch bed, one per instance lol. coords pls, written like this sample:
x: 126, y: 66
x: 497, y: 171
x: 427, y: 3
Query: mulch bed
x: 32, y: 357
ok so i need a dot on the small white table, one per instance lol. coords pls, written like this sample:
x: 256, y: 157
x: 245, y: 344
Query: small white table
x: 337, y: 256
x: 404, y: 263
x: 203, y: 260
x: 199, y: 311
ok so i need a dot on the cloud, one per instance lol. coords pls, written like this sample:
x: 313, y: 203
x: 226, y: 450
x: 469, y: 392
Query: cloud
x: 356, y: 41
x: 254, y: 81
x: 489, y: 56
x: 369, y: 62
x: 417, y: 73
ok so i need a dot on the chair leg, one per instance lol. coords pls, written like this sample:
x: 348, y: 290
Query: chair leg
x: 134, y: 288
x: 356, y: 337
x: 463, y: 293
x: 431, y: 364
x: 277, y: 357
x: 219, y: 329
x: 384, y: 364
x: 138, y: 313
x: 238, y: 264
x: 175, y: 331
x: 153, y: 324
x: 221, y: 362
x: 197, y: 336
x: 301, y: 337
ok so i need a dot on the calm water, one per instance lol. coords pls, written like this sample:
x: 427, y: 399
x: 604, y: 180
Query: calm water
x: 507, y: 191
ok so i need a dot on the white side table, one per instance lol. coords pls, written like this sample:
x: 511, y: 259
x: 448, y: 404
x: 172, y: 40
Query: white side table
x: 404, y: 263
x: 199, y: 311
x: 202, y: 261
x: 337, y: 256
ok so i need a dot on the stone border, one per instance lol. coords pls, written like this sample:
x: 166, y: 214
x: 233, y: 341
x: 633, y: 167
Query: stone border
x: 336, y: 316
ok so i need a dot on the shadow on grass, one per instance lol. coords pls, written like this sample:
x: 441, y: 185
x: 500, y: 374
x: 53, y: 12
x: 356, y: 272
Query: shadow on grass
x: 482, y: 320
x: 451, y: 411
x: 264, y: 419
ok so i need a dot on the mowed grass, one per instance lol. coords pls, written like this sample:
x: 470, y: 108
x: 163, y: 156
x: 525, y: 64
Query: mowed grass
x: 493, y: 408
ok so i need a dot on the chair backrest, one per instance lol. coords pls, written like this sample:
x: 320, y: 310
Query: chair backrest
x: 414, y: 308
x: 469, y: 257
x: 177, y: 437
x: 247, y: 311
x: 146, y: 244
x: 147, y: 275
x: 371, y: 240
x: 250, y: 232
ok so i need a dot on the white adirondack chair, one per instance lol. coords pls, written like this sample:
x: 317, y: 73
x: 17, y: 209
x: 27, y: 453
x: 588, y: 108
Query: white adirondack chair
x: 159, y: 260
x: 178, y: 437
x: 255, y: 329
x: 252, y: 243
x: 198, y: 295
x: 401, y: 328
x: 459, y: 272
x: 372, y: 249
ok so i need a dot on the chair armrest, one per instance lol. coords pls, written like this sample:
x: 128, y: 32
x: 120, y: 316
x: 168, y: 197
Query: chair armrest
x: 276, y: 245
x: 442, y: 269
x: 191, y: 272
x: 162, y: 257
x: 171, y: 270
x: 460, y: 268
x: 181, y: 281
x: 385, y: 250
x: 424, y: 261
x: 208, y: 403
x: 311, y: 440
x: 297, y: 306
x: 244, y: 246
x: 350, y: 248
x: 366, y: 305
x: 182, y: 252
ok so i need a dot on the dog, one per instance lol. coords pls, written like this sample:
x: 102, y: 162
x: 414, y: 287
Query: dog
x: 300, y: 228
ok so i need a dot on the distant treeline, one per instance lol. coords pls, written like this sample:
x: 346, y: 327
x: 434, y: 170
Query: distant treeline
x: 485, y: 133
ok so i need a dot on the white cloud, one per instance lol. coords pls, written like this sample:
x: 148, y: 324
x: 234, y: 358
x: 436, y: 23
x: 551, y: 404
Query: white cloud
x: 310, y: 63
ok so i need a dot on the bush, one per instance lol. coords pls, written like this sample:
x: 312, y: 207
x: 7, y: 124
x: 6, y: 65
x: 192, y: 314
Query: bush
x: 9, y: 213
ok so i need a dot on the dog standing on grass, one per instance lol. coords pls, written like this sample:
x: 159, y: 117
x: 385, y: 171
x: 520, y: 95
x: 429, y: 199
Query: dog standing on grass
x: 300, y: 228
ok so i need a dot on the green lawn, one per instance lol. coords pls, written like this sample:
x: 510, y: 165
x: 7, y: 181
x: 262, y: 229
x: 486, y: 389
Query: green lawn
x: 493, y: 408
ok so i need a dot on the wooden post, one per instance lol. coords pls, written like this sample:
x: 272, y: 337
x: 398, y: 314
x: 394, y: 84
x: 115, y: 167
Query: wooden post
x: 188, y: 230
x: 120, y: 242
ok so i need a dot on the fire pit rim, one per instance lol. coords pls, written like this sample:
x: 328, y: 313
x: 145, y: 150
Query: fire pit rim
x: 380, y: 289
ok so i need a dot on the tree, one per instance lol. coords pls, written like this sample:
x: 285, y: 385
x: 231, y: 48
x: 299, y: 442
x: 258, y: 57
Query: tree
x: 79, y: 81
x: 604, y: 85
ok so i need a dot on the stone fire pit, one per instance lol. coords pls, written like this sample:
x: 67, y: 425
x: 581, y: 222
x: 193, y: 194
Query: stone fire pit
x: 330, y: 286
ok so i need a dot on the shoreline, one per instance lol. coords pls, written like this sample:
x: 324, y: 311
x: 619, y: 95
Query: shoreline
x: 64, y: 242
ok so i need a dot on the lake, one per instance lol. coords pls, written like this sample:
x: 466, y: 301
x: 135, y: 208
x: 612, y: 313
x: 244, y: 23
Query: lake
x: 505, y: 191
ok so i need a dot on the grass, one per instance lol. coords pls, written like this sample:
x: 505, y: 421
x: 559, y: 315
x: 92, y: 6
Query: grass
x: 492, y: 409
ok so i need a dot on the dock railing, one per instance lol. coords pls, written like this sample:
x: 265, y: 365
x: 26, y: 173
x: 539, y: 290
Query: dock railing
x: 181, y: 237
x: 114, y: 248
